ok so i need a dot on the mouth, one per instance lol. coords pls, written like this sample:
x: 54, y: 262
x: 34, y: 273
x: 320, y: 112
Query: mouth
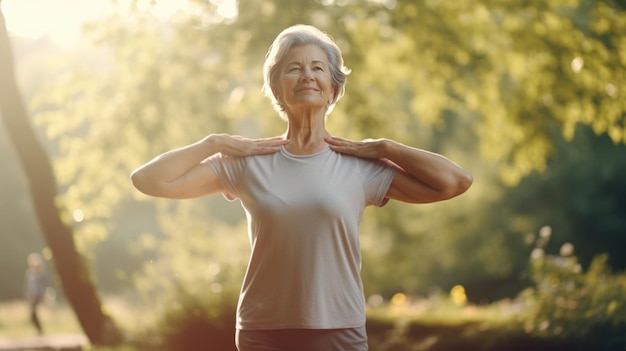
x: 305, y: 89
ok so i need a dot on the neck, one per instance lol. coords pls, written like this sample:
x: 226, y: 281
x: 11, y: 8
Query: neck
x: 306, y: 136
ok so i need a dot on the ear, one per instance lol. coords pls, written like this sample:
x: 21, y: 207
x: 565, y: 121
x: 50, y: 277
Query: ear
x: 276, y: 93
x: 332, y: 94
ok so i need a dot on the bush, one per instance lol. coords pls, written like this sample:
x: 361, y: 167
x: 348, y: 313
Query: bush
x: 193, y: 323
x: 568, y: 303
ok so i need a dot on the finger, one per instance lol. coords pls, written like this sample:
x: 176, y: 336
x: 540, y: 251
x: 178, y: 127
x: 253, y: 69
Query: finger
x: 274, y: 138
x: 273, y: 143
x: 337, y: 141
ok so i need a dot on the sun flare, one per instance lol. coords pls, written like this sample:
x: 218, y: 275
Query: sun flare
x: 60, y: 20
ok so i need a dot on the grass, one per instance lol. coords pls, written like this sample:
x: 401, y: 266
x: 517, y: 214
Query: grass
x: 55, y: 318
x: 58, y: 318
x: 390, y: 327
x: 443, y: 326
x: 439, y: 326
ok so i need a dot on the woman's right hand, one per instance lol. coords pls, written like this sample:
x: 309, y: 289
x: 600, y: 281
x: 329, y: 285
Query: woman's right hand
x: 238, y: 146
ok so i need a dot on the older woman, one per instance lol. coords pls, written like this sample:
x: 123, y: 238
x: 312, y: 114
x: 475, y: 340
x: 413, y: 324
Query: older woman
x: 304, y: 194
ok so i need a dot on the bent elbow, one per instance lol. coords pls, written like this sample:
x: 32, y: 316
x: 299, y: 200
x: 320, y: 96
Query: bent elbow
x: 456, y: 185
x: 462, y: 183
x: 135, y: 179
x: 465, y: 182
x: 141, y: 182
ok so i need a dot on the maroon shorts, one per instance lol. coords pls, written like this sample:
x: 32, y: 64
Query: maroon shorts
x: 349, y: 339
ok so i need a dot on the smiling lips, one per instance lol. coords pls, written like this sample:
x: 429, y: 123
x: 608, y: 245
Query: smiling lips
x: 304, y: 89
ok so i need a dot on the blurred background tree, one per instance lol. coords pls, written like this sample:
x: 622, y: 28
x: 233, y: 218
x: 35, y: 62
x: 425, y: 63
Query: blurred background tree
x: 73, y: 275
x: 528, y: 97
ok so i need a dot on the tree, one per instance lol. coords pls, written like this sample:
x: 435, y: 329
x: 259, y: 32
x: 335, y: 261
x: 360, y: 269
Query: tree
x: 518, y: 70
x: 70, y: 266
x: 582, y: 196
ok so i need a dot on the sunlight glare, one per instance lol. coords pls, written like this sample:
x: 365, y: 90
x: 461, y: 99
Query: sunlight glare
x: 226, y: 8
x: 375, y: 300
x: 162, y: 9
x: 78, y: 215
x: 399, y: 299
x: 458, y: 295
x: 577, y: 64
x: 60, y: 20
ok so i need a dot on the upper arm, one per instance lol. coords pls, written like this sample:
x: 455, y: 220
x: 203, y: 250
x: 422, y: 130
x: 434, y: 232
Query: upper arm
x: 199, y: 181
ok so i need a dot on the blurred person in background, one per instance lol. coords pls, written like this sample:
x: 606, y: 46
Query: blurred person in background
x: 36, y: 283
x: 304, y: 193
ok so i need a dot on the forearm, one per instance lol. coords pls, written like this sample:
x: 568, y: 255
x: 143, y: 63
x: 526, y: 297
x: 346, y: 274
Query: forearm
x: 180, y: 174
x: 172, y: 165
x: 433, y: 170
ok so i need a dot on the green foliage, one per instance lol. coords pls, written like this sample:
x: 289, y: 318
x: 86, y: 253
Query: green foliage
x: 491, y: 84
x: 570, y: 303
x: 582, y: 195
x: 418, y: 249
x: 199, y: 254
x: 519, y: 70
x: 191, y: 322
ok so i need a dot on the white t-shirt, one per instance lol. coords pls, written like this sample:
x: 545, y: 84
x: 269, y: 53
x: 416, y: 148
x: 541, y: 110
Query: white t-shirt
x: 303, y: 220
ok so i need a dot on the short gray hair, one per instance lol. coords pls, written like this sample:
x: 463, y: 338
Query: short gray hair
x: 301, y: 35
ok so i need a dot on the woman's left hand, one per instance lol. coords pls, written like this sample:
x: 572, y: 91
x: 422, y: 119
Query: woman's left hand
x: 367, y: 148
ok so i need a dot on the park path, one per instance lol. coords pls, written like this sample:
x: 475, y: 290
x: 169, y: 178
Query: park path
x: 57, y: 342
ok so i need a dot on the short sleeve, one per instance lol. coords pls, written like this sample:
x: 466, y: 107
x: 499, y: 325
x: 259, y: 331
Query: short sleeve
x: 377, y: 178
x: 229, y: 171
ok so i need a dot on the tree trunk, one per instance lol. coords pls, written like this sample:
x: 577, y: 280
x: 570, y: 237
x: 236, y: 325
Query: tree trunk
x: 70, y: 266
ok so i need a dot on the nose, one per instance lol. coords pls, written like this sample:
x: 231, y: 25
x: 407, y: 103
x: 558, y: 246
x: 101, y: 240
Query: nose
x: 307, y: 74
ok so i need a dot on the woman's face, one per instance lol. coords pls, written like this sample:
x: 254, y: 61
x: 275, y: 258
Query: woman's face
x: 304, y: 80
